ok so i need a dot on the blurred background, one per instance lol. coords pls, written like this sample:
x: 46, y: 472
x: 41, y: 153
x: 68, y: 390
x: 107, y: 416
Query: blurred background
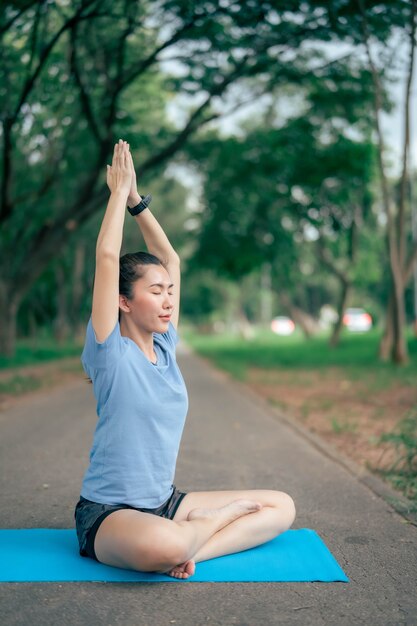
x: 279, y: 144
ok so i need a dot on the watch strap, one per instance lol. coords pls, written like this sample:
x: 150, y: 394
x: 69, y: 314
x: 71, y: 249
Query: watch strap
x: 143, y: 204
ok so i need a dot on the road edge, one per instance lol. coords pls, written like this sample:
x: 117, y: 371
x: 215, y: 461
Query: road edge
x: 397, y: 501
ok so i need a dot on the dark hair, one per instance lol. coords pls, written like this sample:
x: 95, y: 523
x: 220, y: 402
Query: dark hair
x: 132, y: 268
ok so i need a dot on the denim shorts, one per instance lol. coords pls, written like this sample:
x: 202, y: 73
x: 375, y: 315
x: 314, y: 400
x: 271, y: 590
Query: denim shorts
x: 89, y: 515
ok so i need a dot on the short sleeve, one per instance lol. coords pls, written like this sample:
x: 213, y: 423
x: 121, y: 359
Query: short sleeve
x: 99, y: 355
x: 170, y: 338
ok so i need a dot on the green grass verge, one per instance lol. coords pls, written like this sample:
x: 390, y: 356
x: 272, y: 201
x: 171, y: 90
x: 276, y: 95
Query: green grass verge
x: 33, y: 353
x: 18, y: 385
x: 357, y: 355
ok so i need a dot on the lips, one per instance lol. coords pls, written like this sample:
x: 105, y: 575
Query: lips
x: 166, y: 318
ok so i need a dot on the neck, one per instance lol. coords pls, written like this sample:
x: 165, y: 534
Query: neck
x: 142, y: 338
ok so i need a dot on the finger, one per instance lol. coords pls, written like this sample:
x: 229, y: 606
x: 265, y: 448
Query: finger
x: 132, y: 165
x: 115, y: 151
x: 126, y: 157
x: 119, y: 153
x: 118, y: 150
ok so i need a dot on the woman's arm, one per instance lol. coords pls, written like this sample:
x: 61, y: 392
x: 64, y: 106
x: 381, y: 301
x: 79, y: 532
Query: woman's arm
x: 158, y: 244
x: 105, y: 309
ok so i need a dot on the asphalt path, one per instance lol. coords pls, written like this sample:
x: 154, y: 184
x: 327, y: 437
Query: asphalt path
x: 231, y: 441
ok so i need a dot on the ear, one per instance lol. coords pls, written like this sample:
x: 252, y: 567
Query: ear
x: 124, y: 304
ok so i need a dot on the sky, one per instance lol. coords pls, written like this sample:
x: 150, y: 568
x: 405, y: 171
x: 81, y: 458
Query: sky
x: 392, y: 124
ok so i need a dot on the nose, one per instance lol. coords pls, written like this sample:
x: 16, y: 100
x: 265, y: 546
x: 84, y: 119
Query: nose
x: 168, y: 301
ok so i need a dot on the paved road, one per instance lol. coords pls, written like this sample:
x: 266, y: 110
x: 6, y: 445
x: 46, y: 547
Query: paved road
x: 231, y: 441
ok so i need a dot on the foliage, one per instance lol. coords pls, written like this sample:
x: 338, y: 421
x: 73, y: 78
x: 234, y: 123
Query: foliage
x: 17, y: 385
x: 403, y: 472
x: 284, y: 186
x: 43, y: 349
x: 356, y: 354
x: 355, y: 357
x: 76, y: 75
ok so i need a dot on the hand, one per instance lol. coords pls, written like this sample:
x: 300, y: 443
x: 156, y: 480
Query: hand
x: 119, y: 174
x: 134, y: 198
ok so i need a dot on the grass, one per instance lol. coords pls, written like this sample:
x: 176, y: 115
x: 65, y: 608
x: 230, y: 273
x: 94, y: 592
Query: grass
x: 403, y: 472
x: 30, y: 352
x: 339, y: 426
x: 356, y: 355
x: 18, y: 385
x: 60, y: 360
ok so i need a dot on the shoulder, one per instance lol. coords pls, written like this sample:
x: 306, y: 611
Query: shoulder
x: 99, y: 354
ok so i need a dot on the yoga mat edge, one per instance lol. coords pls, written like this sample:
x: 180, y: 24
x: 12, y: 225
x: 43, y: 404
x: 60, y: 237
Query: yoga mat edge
x: 52, y: 555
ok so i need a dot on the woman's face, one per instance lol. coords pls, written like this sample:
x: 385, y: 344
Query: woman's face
x: 151, y: 305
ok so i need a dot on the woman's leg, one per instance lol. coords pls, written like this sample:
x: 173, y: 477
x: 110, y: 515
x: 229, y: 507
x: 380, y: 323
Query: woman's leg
x: 276, y: 516
x: 142, y: 541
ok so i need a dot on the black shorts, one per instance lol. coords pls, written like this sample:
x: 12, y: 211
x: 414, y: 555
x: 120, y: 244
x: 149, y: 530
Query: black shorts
x: 89, y: 515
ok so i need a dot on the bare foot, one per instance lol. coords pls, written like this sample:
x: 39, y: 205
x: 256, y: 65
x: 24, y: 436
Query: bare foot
x: 184, y: 570
x: 226, y: 514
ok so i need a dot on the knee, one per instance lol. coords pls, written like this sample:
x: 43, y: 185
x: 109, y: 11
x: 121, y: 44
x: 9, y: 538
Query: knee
x: 167, y: 552
x: 288, y: 506
x: 285, y: 504
x: 176, y: 551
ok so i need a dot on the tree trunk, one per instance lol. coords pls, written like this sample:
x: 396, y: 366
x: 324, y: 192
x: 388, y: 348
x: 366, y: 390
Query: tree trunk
x: 8, y: 323
x: 77, y: 289
x: 387, y: 341
x: 393, y: 344
x: 306, y: 322
x: 396, y: 220
x: 337, y: 328
x: 245, y: 327
x: 61, y: 326
x: 399, y: 352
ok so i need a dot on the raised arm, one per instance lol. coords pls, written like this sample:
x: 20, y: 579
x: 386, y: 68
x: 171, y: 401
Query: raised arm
x: 105, y: 310
x: 158, y: 244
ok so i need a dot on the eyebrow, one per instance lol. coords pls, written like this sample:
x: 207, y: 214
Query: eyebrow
x: 161, y: 285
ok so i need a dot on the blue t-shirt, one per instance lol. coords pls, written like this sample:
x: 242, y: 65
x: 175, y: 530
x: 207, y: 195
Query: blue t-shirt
x: 141, y: 410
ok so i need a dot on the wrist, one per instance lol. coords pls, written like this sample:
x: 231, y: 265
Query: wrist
x: 141, y: 206
x: 122, y: 194
x: 133, y: 200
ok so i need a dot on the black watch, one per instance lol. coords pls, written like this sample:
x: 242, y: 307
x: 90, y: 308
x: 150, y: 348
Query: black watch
x: 143, y: 204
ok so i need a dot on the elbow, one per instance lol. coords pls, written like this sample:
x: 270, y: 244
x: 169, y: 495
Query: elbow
x: 169, y: 260
x: 106, y: 254
x: 174, y: 258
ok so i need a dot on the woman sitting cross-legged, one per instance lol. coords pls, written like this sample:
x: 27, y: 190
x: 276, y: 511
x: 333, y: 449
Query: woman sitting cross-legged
x: 130, y: 514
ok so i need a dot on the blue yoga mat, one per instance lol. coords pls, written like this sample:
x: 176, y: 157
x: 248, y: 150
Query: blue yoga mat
x: 42, y: 554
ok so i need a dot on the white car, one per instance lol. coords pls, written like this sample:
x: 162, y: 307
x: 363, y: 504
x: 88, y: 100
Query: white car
x: 357, y: 320
x: 282, y: 325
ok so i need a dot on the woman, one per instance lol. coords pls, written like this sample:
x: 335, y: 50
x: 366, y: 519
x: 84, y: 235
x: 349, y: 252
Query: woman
x: 130, y: 514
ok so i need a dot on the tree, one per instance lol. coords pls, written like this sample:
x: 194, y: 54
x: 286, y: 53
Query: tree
x: 77, y: 75
x: 268, y: 195
x: 61, y: 298
x: 402, y: 251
